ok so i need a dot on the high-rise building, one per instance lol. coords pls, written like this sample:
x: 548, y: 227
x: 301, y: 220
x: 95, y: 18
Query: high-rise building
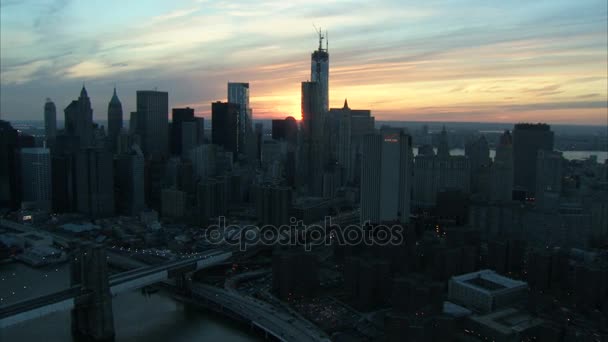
x: 478, y: 153
x: 502, y: 170
x: 314, y: 151
x: 182, y: 116
x: 225, y: 126
x: 319, y: 70
x: 36, y: 177
x: 79, y: 119
x: 9, y: 193
x: 386, y: 176
x: 129, y: 182
x: 95, y: 182
x: 441, y: 172
x: 443, y: 150
x: 173, y: 203
x: 114, y: 120
x: 272, y: 204
x: 50, y: 121
x: 238, y: 93
x: 153, y: 122
x: 548, y: 178
x: 528, y: 139
x: 346, y: 129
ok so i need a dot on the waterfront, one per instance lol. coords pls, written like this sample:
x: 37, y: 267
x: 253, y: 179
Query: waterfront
x: 137, y: 317
x: 602, y: 156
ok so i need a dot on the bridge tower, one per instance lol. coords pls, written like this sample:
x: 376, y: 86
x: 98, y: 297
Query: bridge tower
x: 92, y: 317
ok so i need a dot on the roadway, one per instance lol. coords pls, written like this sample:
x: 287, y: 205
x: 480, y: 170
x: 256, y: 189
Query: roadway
x: 282, y: 325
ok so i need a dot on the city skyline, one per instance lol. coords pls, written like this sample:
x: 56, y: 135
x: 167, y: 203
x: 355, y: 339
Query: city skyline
x: 540, y: 62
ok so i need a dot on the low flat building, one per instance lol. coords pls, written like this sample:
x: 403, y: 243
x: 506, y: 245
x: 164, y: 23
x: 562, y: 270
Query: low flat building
x: 485, y: 291
x: 506, y: 325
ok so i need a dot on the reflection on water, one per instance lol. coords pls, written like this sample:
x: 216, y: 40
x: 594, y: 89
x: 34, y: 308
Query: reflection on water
x: 137, y: 317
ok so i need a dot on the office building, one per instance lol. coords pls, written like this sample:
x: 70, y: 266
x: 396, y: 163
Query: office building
x: 502, y: 170
x: 95, y: 183
x: 152, y: 122
x: 386, y: 176
x: 173, y: 203
x: 225, y: 126
x: 36, y: 177
x: 129, y: 182
x: 238, y: 93
x: 79, y: 119
x: 548, y: 178
x: 528, y: 139
x: 441, y: 172
x: 272, y: 204
x: 478, y: 152
x: 185, y: 129
x: 50, y: 121
x: 9, y: 187
x: 114, y: 121
x: 314, y: 151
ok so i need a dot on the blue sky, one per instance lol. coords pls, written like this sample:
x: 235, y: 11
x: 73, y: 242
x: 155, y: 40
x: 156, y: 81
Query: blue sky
x: 406, y: 60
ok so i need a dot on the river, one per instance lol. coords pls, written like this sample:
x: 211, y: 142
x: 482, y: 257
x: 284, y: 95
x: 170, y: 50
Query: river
x: 137, y: 317
x: 568, y: 155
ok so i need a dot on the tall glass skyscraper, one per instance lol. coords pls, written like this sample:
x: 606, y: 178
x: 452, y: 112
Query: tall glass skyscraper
x: 319, y: 70
x: 238, y: 93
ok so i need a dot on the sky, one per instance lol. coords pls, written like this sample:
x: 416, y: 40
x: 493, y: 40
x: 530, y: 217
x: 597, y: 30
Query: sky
x: 460, y: 60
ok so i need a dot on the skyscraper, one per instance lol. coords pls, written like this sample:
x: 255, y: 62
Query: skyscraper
x: 9, y: 194
x: 238, y: 93
x: 50, y: 121
x: 225, y: 126
x: 79, y: 119
x: 386, y: 176
x: 319, y: 70
x: 185, y: 129
x: 548, y: 178
x: 114, y: 120
x: 95, y: 182
x: 313, y: 150
x: 441, y: 172
x: 36, y: 177
x: 153, y: 122
x: 478, y: 153
x: 129, y: 182
x: 528, y: 139
x: 502, y: 169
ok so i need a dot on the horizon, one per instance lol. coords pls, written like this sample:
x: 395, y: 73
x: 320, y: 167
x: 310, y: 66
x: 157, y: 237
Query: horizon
x: 523, y: 69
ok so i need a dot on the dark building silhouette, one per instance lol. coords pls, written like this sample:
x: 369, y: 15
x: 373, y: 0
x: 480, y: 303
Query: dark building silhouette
x: 9, y: 190
x: 187, y: 131
x: 225, y: 126
x: 129, y: 182
x: 313, y: 148
x: 152, y: 122
x: 95, y: 182
x: 50, y: 121
x: 114, y: 120
x: 285, y: 129
x: 528, y: 139
x: 79, y: 119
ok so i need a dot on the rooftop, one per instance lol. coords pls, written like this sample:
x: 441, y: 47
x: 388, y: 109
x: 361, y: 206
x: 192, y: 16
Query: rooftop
x: 488, y: 280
